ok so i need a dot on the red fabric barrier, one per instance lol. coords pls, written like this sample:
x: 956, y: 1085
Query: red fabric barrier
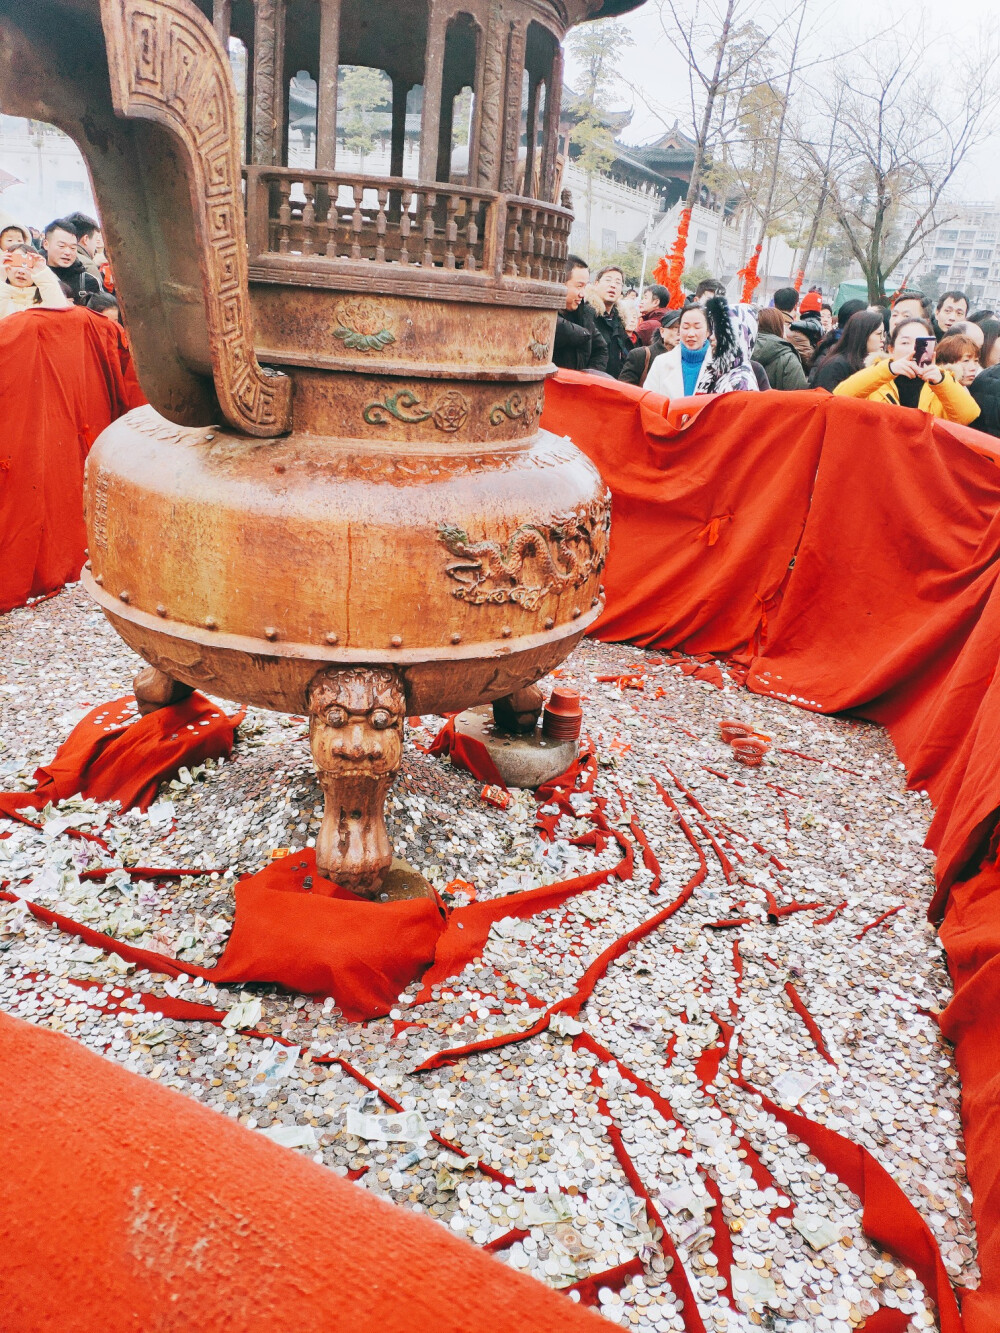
x: 891, y: 609
x: 64, y: 376
x: 126, y: 1206
x: 710, y: 496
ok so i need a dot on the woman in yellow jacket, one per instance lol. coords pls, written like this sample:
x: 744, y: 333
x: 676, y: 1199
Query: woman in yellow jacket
x: 898, y: 379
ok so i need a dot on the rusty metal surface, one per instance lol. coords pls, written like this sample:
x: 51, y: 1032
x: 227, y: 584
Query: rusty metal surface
x: 388, y: 550
x: 375, y: 513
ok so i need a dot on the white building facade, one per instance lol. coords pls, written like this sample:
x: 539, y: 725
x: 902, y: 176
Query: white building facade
x: 621, y: 216
x: 50, y: 174
x: 965, y: 254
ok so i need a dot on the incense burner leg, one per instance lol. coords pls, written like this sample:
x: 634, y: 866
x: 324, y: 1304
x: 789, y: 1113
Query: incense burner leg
x: 154, y: 689
x: 518, y: 713
x: 356, y: 720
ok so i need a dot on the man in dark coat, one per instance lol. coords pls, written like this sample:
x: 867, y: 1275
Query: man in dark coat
x: 578, y: 345
x: 60, y: 242
x: 609, y: 284
x: 652, y: 311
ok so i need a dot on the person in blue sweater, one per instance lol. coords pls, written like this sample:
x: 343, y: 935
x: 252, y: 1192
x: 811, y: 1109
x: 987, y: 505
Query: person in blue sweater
x: 713, y: 355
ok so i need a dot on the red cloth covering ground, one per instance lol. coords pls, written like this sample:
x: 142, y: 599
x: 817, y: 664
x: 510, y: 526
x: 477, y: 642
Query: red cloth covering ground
x: 64, y: 376
x: 318, y: 939
x: 115, y: 755
x: 890, y: 609
x: 126, y: 1206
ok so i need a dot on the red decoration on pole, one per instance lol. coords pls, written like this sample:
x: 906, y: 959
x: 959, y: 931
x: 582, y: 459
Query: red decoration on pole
x: 799, y: 279
x: 669, y: 269
x: 749, y: 275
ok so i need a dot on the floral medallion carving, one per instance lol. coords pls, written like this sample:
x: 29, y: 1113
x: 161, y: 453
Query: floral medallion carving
x: 538, y: 560
x: 362, y: 326
x: 449, y: 411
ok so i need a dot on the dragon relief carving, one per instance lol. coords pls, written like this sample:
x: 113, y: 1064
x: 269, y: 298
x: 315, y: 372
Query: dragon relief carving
x: 167, y: 65
x: 538, y: 560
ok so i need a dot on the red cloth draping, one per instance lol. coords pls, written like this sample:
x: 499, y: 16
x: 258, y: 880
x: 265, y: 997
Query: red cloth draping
x: 112, y: 756
x: 887, y: 1215
x: 466, y: 752
x: 707, y: 512
x: 315, y: 938
x: 291, y: 926
x: 64, y: 376
x: 853, y: 567
x: 125, y: 1206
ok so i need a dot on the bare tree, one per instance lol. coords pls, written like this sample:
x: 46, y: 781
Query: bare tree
x: 721, y: 46
x: 596, y: 48
x: 896, y: 143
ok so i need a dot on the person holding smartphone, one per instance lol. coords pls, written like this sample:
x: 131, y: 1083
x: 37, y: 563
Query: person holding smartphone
x: 906, y: 376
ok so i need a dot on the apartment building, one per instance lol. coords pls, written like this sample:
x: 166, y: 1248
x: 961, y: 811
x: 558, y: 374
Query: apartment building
x: 965, y: 254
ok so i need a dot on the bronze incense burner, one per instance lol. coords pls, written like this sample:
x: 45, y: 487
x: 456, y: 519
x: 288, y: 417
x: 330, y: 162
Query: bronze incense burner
x: 339, y: 501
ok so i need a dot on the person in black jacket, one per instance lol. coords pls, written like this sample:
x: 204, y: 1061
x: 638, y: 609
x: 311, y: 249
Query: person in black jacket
x: 60, y: 242
x: 605, y: 295
x: 985, y: 388
x: 863, y: 336
x: 639, y: 360
x: 578, y: 345
x: 952, y: 308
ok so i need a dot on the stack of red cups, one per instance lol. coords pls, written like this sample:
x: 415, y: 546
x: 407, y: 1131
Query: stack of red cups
x: 749, y: 746
x: 563, y: 716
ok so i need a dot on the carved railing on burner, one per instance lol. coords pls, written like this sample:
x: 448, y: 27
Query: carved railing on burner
x: 536, y: 239
x: 388, y: 220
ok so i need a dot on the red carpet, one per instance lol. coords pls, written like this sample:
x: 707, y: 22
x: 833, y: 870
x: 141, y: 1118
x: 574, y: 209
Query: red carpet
x: 64, y: 376
x: 890, y: 609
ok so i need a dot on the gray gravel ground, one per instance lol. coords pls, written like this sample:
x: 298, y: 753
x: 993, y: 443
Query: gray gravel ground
x: 830, y: 824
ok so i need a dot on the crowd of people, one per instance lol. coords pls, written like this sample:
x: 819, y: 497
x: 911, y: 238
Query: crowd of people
x: 63, y: 265
x: 943, y: 360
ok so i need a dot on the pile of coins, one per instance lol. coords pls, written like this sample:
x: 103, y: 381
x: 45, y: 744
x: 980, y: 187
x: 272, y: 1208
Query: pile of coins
x: 619, y: 1152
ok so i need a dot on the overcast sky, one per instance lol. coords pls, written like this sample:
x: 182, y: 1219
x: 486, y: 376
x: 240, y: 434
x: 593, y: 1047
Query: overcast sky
x: 951, y: 35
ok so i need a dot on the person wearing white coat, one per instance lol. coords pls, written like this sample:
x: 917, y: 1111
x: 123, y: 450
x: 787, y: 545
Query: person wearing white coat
x: 723, y: 338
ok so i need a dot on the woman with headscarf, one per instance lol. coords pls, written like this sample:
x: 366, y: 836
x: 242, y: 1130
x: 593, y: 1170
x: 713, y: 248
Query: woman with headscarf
x: 713, y: 355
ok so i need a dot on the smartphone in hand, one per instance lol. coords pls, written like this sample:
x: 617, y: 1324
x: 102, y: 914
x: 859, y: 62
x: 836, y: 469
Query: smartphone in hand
x: 923, y: 351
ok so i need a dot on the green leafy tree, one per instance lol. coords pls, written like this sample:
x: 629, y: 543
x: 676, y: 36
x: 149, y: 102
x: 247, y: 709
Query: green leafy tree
x: 361, y: 92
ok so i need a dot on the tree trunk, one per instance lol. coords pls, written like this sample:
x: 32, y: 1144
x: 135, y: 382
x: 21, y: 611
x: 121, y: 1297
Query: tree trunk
x: 765, y: 217
x: 701, y: 141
